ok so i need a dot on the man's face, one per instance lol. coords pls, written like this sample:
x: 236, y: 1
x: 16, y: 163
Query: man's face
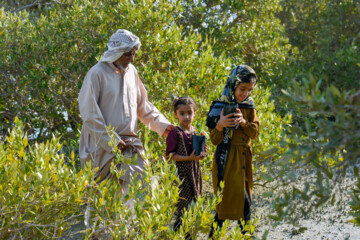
x: 127, y: 58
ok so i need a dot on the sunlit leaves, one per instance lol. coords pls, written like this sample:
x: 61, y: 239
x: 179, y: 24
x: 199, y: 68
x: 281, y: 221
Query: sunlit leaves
x: 36, y: 187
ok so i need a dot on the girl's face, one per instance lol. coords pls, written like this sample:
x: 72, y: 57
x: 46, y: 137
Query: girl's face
x: 243, y: 90
x: 185, y: 114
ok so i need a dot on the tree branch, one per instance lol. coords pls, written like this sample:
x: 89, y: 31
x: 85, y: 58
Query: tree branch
x: 26, y: 6
x: 37, y: 2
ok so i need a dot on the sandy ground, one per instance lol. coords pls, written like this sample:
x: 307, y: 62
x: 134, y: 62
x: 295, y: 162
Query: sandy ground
x: 328, y: 222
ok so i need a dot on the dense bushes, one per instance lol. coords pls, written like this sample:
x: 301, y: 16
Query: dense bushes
x: 246, y: 31
x: 44, y: 194
x: 44, y: 59
x: 39, y: 195
x: 188, y: 48
x: 327, y: 36
x: 42, y: 197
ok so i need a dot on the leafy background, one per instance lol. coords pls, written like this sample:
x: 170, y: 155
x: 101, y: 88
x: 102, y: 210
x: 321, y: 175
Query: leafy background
x: 306, y: 54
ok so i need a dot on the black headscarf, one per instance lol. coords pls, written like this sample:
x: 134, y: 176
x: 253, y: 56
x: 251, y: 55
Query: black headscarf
x: 241, y: 73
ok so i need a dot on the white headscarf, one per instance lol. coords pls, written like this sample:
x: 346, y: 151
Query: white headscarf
x: 120, y: 42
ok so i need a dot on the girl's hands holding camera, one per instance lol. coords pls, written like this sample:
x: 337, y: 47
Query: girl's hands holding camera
x: 230, y: 120
x: 242, y: 119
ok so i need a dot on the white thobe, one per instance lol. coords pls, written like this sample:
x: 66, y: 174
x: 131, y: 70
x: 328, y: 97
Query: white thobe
x: 116, y: 98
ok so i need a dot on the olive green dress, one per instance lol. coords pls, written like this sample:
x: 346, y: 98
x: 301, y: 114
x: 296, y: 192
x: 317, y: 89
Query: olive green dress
x: 238, y: 170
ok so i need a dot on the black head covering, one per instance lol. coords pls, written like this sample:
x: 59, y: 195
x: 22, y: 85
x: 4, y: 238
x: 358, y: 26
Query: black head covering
x: 240, y: 74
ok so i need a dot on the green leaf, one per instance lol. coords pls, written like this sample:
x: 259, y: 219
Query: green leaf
x: 267, y: 194
x: 322, y: 201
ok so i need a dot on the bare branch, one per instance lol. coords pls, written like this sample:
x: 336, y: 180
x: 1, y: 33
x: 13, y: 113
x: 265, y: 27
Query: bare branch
x: 37, y: 2
x: 26, y: 6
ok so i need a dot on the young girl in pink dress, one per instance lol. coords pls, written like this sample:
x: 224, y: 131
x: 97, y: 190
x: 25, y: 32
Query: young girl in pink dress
x: 179, y: 148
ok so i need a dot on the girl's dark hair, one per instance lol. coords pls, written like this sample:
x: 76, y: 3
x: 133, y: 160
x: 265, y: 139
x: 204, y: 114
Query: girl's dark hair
x: 183, y: 101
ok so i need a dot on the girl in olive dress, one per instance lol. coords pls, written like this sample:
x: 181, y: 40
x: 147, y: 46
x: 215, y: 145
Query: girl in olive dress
x: 232, y: 134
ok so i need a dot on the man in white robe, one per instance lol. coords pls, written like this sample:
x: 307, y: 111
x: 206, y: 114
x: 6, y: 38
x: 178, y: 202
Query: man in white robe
x: 113, y: 95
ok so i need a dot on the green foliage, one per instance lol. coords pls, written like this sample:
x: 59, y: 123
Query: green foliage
x: 247, y: 31
x: 47, y: 48
x: 42, y: 198
x: 39, y: 194
x: 332, y: 125
x: 327, y: 36
x: 42, y: 71
x: 42, y: 66
x: 322, y: 140
x: 325, y: 147
x: 272, y: 124
x: 29, y: 5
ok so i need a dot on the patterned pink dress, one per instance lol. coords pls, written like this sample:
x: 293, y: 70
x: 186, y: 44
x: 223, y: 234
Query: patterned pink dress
x: 189, y: 172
